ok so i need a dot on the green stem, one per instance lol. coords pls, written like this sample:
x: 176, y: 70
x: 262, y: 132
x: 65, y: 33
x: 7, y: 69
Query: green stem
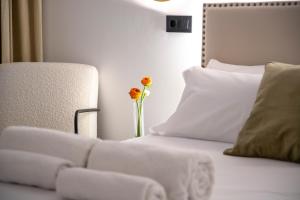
x: 139, y: 112
x: 139, y: 106
x: 142, y: 96
x: 138, y: 131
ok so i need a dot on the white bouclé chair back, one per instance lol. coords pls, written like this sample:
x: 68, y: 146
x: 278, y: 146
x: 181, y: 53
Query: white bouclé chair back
x: 47, y: 95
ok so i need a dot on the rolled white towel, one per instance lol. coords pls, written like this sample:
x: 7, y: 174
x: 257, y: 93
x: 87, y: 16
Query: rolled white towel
x: 47, y: 141
x: 79, y: 183
x: 30, y: 168
x: 185, y: 175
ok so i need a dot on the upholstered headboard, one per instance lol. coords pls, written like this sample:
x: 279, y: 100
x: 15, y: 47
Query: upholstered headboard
x: 251, y: 33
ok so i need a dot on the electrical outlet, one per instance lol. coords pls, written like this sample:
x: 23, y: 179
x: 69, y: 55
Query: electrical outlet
x: 179, y: 24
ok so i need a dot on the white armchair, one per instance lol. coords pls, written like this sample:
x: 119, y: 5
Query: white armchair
x: 47, y: 95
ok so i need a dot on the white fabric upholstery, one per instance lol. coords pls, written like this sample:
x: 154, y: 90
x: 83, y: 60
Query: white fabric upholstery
x: 31, y: 169
x: 47, y: 95
x: 49, y: 142
x: 79, y: 184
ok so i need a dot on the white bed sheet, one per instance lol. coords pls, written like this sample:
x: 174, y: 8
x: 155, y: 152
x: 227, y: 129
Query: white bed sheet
x: 239, y: 178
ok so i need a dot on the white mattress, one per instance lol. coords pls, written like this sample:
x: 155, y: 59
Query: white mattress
x: 239, y: 178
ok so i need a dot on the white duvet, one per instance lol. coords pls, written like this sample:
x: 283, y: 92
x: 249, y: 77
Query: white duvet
x: 239, y: 178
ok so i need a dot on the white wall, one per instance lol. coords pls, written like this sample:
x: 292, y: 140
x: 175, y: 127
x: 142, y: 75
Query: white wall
x: 125, y: 40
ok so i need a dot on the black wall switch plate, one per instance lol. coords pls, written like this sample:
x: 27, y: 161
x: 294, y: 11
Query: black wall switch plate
x: 180, y: 24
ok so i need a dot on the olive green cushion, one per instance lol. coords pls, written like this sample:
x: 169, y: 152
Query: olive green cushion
x: 273, y: 127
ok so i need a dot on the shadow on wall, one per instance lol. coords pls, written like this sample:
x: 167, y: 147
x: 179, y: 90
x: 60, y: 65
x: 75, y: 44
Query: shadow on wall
x: 125, y: 41
x: 169, y: 7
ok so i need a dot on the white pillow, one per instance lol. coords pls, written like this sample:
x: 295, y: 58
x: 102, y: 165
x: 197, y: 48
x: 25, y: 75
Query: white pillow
x: 214, y: 105
x: 215, y: 64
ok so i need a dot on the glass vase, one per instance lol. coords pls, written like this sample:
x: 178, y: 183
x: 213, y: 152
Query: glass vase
x: 138, y: 118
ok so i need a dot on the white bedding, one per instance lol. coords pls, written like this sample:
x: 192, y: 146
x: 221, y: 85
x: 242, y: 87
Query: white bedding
x: 239, y: 178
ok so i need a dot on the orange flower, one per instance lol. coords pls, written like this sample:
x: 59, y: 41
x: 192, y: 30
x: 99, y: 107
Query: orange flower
x: 146, y: 81
x: 135, y: 93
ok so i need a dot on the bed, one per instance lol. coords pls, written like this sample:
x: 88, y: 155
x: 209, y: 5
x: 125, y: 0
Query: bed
x: 239, y: 178
x: 246, y: 34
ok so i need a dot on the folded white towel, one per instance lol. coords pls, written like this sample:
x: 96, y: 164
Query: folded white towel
x: 79, y: 183
x: 30, y: 168
x: 185, y: 175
